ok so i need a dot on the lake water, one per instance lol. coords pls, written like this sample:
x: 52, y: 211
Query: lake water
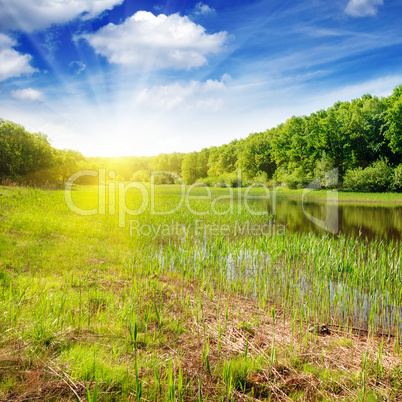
x: 368, y: 221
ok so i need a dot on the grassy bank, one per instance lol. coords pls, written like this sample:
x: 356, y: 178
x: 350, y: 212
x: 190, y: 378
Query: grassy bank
x: 197, y: 304
x: 342, y: 196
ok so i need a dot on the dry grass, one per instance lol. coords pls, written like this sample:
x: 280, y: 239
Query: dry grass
x: 299, y: 354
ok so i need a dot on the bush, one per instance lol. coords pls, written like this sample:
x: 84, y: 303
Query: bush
x: 143, y: 176
x: 293, y: 178
x: 397, y: 179
x: 207, y: 181
x: 224, y: 180
x: 260, y: 180
x: 374, y: 178
x: 324, y: 172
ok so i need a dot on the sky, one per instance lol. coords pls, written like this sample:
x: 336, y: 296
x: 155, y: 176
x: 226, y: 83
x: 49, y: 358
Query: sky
x: 133, y: 77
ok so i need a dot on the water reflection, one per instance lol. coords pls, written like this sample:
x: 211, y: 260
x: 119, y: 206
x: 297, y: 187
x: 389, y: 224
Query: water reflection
x: 368, y: 221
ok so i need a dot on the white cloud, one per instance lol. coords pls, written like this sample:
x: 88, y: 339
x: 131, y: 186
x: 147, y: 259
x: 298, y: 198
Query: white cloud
x: 363, y: 8
x: 156, y: 42
x: 199, y: 95
x: 12, y: 63
x: 29, y: 15
x: 203, y: 9
x: 28, y: 94
x: 51, y: 43
x: 77, y: 66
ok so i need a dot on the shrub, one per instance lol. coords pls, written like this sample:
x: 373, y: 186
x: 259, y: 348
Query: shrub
x: 143, y: 176
x: 260, y: 180
x: 207, y: 181
x: 294, y: 178
x: 224, y: 180
x: 397, y: 179
x: 375, y: 178
x: 324, y: 172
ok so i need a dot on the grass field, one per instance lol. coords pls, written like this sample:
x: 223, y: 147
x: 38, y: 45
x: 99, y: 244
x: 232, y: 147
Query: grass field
x: 205, y: 302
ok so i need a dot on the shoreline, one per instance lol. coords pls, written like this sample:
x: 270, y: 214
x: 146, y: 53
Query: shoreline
x: 388, y: 199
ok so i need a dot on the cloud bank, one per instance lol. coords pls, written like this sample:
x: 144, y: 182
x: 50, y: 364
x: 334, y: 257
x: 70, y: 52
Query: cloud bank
x: 12, y: 63
x: 196, y: 94
x: 156, y: 42
x: 31, y: 15
x: 28, y: 94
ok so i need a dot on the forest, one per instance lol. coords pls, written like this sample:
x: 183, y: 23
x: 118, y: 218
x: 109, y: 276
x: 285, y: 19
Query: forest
x: 361, y: 138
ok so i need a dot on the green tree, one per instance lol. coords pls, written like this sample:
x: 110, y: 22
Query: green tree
x: 190, y: 168
x: 254, y: 156
x: 394, y: 121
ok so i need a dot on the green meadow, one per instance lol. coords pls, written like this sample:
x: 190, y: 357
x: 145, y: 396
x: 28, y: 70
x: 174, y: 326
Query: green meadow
x: 149, y: 295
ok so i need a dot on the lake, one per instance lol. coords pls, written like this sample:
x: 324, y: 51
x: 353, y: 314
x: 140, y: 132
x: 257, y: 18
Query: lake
x: 365, y: 220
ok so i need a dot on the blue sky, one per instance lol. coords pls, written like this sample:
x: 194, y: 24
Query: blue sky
x: 122, y: 77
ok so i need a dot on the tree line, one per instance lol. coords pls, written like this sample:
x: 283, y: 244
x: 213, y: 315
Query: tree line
x: 361, y: 138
